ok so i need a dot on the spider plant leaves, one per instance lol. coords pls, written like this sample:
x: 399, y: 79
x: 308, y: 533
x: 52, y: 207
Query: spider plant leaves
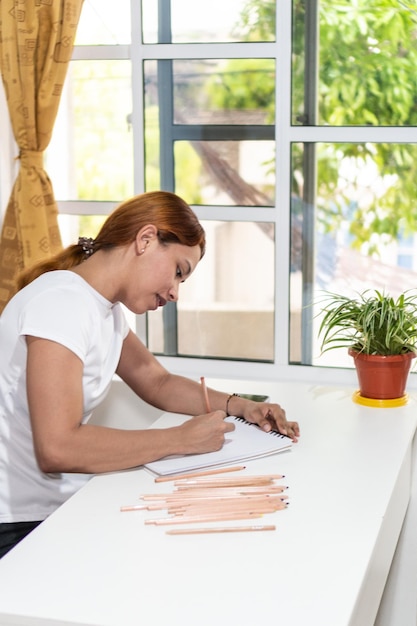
x: 373, y: 323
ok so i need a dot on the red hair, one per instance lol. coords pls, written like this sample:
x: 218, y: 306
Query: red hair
x: 173, y: 218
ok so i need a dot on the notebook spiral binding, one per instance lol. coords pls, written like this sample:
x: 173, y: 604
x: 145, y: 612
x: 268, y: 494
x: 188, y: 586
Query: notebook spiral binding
x: 274, y: 433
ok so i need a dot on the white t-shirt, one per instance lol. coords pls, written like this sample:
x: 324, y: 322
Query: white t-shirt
x: 62, y: 307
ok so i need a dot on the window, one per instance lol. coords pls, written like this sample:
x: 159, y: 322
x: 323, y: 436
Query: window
x: 353, y: 152
x: 165, y: 112
x: 209, y: 136
x: 289, y: 126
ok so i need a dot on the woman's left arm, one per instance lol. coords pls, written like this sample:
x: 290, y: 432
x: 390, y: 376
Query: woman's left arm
x: 153, y: 383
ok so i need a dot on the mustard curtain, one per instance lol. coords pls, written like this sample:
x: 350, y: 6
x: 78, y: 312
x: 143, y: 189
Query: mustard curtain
x: 36, y: 43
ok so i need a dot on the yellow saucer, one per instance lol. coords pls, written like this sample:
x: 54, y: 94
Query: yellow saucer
x: 383, y: 404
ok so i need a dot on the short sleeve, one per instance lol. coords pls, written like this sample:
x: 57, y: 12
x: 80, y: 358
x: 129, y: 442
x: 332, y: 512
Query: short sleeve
x: 61, y: 316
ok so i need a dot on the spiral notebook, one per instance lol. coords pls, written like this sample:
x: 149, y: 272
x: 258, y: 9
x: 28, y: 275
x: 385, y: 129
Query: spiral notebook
x: 246, y: 442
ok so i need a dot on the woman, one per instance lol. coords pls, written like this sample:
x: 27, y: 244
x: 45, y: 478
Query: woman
x: 63, y: 336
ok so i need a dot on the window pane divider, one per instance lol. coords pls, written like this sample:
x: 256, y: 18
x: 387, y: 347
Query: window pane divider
x: 354, y: 134
x: 209, y: 50
x: 214, y: 132
x: 86, y: 207
x: 235, y: 213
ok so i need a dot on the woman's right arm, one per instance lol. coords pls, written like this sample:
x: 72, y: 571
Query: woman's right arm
x: 63, y: 444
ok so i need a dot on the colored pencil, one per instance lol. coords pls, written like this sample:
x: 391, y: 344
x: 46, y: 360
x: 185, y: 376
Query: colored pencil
x: 221, y: 470
x: 205, y: 394
x: 214, y: 517
x: 224, y: 529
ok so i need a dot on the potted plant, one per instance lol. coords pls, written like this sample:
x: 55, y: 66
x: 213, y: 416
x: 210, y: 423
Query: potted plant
x: 380, y: 333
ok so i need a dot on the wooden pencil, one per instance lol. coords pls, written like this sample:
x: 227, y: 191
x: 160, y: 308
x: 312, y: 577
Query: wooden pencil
x: 169, y: 504
x: 250, y: 481
x: 205, y: 394
x: 220, y: 470
x: 134, y: 507
x: 204, y: 477
x: 215, y: 517
x: 223, y: 529
x: 213, y: 491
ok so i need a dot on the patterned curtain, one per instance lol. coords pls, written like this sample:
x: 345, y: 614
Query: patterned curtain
x: 36, y: 43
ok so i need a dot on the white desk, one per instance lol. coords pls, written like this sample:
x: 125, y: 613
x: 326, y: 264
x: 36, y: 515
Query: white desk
x: 325, y: 565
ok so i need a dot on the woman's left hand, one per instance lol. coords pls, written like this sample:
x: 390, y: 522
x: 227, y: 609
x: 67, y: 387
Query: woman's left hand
x: 270, y: 416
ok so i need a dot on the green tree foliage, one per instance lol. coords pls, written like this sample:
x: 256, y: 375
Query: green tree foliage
x: 244, y: 84
x: 368, y: 56
x: 367, y: 76
x: 257, y: 21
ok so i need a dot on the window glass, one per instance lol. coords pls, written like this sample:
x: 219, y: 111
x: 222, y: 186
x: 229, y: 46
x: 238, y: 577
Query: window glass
x: 223, y: 91
x: 364, y: 59
x: 217, y: 125
x: 91, y: 153
x: 104, y: 22
x: 215, y: 21
x: 226, y: 172
x: 361, y: 225
x: 74, y: 226
x: 224, y: 309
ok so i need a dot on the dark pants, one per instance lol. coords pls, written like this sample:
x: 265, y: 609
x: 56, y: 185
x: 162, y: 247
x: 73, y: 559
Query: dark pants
x: 11, y: 534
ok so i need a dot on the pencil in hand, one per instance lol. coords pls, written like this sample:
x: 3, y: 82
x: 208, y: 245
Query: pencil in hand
x: 205, y: 394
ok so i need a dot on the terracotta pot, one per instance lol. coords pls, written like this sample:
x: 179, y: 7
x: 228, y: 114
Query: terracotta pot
x: 382, y: 377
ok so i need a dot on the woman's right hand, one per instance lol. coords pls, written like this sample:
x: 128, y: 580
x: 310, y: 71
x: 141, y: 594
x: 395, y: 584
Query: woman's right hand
x: 205, y: 433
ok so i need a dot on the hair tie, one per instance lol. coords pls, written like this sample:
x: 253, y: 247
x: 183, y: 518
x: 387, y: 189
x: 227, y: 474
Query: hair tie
x: 87, y: 244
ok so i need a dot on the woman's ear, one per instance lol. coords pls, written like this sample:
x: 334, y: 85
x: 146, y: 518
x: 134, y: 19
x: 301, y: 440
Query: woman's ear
x: 145, y: 236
